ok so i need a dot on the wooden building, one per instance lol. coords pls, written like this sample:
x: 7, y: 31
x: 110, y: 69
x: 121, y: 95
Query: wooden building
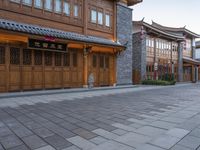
x: 47, y: 44
x: 198, y: 55
x: 163, y: 51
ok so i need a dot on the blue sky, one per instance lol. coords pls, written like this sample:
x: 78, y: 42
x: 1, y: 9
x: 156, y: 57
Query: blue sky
x: 174, y: 13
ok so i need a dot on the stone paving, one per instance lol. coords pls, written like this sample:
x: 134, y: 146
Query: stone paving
x: 142, y: 118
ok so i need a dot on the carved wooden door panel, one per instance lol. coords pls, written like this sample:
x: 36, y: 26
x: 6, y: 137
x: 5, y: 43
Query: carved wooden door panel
x: 66, y: 70
x: 48, y: 69
x: 58, y: 75
x: 38, y: 76
x: 27, y: 69
x: 94, y: 67
x: 3, y: 76
x: 104, y: 70
x: 15, y: 69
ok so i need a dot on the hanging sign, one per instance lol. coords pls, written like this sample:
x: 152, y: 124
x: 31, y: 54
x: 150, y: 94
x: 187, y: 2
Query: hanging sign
x: 47, y: 45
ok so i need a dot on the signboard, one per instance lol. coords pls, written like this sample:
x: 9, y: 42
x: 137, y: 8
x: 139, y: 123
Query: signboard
x: 47, y: 45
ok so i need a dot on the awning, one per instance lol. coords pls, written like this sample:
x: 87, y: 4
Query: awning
x: 191, y: 61
x: 43, y: 31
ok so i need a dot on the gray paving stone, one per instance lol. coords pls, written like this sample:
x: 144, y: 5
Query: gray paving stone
x: 22, y: 132
x: 4, y: 131
x: 43, y: 132
x: 124, y: 127
x: 72, y: 148
x: 163, y: 124
x: 81, y: 143
x: 173, y: 119
x: 57, y: 142
x: 34, y: 142
x: 112, y: 145
x: 190, y: 142
x: 98, y: 140
x: 150, y: 131
x: 149, y: 147
x: 1, y: 148
x: 21, y: 147
x: 119, y: 132
x: 11, y: 141
x: 195, y: 132
x: 133, y: 139
x: 138, y: 121
x: 48, y: 147
x: 165, y: 141
x: 176, y: 132
x: 179, y: 147
x: 84, y: 133
x: 105, y: 134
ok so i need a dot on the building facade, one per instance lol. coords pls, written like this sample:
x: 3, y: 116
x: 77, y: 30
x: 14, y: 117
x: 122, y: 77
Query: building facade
x: 47, y: 44
x: 160, y: 51
x: 198, y: 54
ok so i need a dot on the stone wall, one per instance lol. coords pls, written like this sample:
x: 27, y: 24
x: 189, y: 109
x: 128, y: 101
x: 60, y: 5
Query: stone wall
x: 124, y: 36
x: 139, y: 57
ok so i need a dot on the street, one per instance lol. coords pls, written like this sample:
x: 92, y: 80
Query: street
x: 138, y: 118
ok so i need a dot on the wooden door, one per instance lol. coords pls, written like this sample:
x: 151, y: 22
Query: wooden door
x: 94, y: 68
x: 104, y: 70
x: 37, y: 75
x: 3, y: 76
x: 76, y: 68
x: 15, y: 69
x: 187, y: 74
x: 48, y: 70
x: 66, y: 70
x: 58, y: 70
x: 27, y: 70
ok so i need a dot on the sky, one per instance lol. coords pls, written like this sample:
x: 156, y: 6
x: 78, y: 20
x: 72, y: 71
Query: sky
x: 173, y: 13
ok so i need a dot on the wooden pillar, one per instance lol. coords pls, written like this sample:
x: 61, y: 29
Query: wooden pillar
x: 193, y: 74
x: 85, y: 68
x: 7, y: 61
x: 114, y: 70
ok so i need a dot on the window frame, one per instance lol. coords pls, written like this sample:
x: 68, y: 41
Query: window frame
x: 63, y: 6
x: 55, y: 6
x: 36, y: 6
x: 45, y: 4
x: 27, y: 4
x: 108, y: 15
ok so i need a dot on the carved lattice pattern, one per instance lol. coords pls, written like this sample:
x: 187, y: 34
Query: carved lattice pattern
x: 48, y: 58
x: 66, y: 59
x: 2, y: 55
x: 27, y: 57
x: 38, y: 58
x: 58, y: 58
x: 14, y: 56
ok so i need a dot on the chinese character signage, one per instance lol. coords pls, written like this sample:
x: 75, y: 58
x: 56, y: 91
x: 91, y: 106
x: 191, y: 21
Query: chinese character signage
x: 46, y: 45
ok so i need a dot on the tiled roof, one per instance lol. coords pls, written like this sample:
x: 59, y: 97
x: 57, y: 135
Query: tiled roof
x: 43, y: 31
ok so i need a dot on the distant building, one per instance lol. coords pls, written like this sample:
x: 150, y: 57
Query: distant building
x: 198, y: 50
x: 160, y: 50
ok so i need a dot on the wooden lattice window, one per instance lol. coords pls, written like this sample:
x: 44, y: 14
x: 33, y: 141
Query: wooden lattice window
x: 107, y: 61
x: 58, y: 58
x: 48, y: 58
x: 2, y: 55
x: 75, y: 60
x: 38, y: 58
x: 27, y: 57
x: 14, y: 56
x: 101, y: 61
x: 66, y: 59
x: 94, y: 61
